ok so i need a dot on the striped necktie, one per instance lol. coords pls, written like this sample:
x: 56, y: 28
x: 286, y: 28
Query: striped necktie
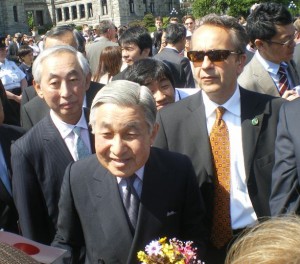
x: 131, y: 200
x: 283, y: 80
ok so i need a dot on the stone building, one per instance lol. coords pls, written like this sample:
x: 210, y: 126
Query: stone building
x: 14, y: 14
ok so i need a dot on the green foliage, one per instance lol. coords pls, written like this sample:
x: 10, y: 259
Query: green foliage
x: 136, y: 23
x: 149, y: 20
x: 30, y: 19
x: 228, y: 7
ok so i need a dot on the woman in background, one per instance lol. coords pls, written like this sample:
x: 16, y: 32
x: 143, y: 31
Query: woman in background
x: 110, y: 63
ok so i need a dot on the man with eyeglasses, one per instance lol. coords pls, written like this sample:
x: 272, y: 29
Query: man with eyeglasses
x: 271, y: 70
x: 240, y: 178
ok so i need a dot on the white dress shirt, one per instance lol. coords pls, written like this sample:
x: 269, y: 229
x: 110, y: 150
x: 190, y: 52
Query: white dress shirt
x: 10, y: 75
x: 241, y: 209
x: 272, y: 68
x: 66, y: 132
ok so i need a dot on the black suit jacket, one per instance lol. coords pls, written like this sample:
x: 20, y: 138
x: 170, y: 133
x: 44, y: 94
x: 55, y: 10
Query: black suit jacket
x: 180, y: 67
x: 39, y: 160
x: 8, y: 212
x: 285, y: 198
x: 91, y: 211
x: 34, y: 108
x: 182, y: 128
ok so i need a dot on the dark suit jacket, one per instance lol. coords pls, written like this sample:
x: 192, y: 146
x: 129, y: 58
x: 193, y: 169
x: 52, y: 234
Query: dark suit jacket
x: 180, y: 67
x: 182, y: 128
x: 35, y: 109
x: 39, y: 160
x: 255, y: 78
x: 285, y: 196
x: 296, y: 57
x: 8, y: 212
x: 91, y: 211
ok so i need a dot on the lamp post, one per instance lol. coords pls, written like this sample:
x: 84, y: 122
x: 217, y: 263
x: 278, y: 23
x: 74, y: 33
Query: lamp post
x: 292, y: 6
x: 173, y: 12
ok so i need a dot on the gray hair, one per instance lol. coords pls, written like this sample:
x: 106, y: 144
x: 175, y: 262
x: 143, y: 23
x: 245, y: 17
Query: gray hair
x: 125, y: 93
x: 239, y: 36
x: 37, y: 66
x: 59, y: 31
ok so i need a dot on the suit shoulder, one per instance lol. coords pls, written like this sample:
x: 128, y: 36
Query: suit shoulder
x: 11, y: 129
x: 169, y: 157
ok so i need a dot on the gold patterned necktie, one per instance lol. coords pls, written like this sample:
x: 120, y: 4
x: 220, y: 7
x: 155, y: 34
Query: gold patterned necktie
x: 220, y: 145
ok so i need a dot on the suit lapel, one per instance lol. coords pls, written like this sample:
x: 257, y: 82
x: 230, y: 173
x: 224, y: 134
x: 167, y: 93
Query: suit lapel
x: 293, y: 73
x: 54, y: 143
x: 263, y: 78
x: 197, y: 128
x: 111, y: 212
x: 252, y: 115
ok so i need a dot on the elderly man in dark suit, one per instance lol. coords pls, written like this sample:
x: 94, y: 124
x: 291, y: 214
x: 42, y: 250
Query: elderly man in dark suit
x: 39, y: 159
x: 227, y: 131
x: 180, y: 66
x: 285, y: 198
x: 94, y: 210
x: 34, y: 108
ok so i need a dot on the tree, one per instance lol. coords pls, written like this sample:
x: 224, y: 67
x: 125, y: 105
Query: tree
x: 228, y: 7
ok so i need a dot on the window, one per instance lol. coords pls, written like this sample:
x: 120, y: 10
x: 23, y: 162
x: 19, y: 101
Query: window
x: 15, y: 11
x: 58, y: 14
x: 74, y: 12
x: 104, y: 7
x: 170, y: 5
x: 152, y: 7
x: 81, y: 11
x: 39, y: 18
x: 131, y: 6
x: 90, y: 9
x: 67, y: 13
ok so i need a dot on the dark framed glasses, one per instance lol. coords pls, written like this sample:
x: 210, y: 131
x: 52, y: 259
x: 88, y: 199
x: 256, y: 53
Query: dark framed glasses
x: 213, y: 55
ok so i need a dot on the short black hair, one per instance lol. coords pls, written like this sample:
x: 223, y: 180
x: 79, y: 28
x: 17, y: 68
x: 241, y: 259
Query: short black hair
x: 175, y: 33
x: 148, y: 69
x: 137, y: 35
x: 24, y: 50
x: 261, y: 23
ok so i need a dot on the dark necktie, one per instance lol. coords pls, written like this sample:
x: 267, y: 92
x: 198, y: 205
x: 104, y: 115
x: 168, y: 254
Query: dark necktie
x: 283, y: 80
x: 220, y: 145
x: 131, y: 200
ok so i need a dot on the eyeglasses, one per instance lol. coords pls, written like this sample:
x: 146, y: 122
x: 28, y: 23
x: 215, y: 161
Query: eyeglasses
x: 286, y: 43
x: 213, y: 55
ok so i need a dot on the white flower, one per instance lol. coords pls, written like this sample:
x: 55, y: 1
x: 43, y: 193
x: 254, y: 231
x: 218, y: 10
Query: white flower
x: 153, y: 248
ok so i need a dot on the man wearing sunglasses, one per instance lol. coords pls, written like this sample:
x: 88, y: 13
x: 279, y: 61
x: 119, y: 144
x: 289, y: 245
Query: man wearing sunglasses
x: 247, y: 128
x: 271, y: 70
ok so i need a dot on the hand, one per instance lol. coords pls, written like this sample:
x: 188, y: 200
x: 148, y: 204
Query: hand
x: 290, y: 95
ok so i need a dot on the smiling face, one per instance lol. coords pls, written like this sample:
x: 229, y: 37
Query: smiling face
x: 122, y: 138
x: 163, y: 92
x: 131, y: 53
x: 63, y: 86
x: 217, y: 79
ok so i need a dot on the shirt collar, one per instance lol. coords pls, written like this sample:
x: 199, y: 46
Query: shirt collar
x: 232, y: 105
x: 268, y: 65
x: 139, y: 173
x: 64, y: 128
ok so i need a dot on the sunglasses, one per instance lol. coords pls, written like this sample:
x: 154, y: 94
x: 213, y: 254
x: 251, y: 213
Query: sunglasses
x: 213, y: 55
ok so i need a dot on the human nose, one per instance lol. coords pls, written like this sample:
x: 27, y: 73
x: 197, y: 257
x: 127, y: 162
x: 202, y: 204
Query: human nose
x: 117, y: 146
x: 65, y: 90
x: 207, y: 63
x: 159, y: 96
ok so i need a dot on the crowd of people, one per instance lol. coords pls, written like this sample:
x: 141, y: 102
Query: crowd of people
x: 115, y: 137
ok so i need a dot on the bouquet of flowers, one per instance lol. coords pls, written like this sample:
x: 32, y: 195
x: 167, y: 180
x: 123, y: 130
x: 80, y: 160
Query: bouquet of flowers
x: 166, y: 252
